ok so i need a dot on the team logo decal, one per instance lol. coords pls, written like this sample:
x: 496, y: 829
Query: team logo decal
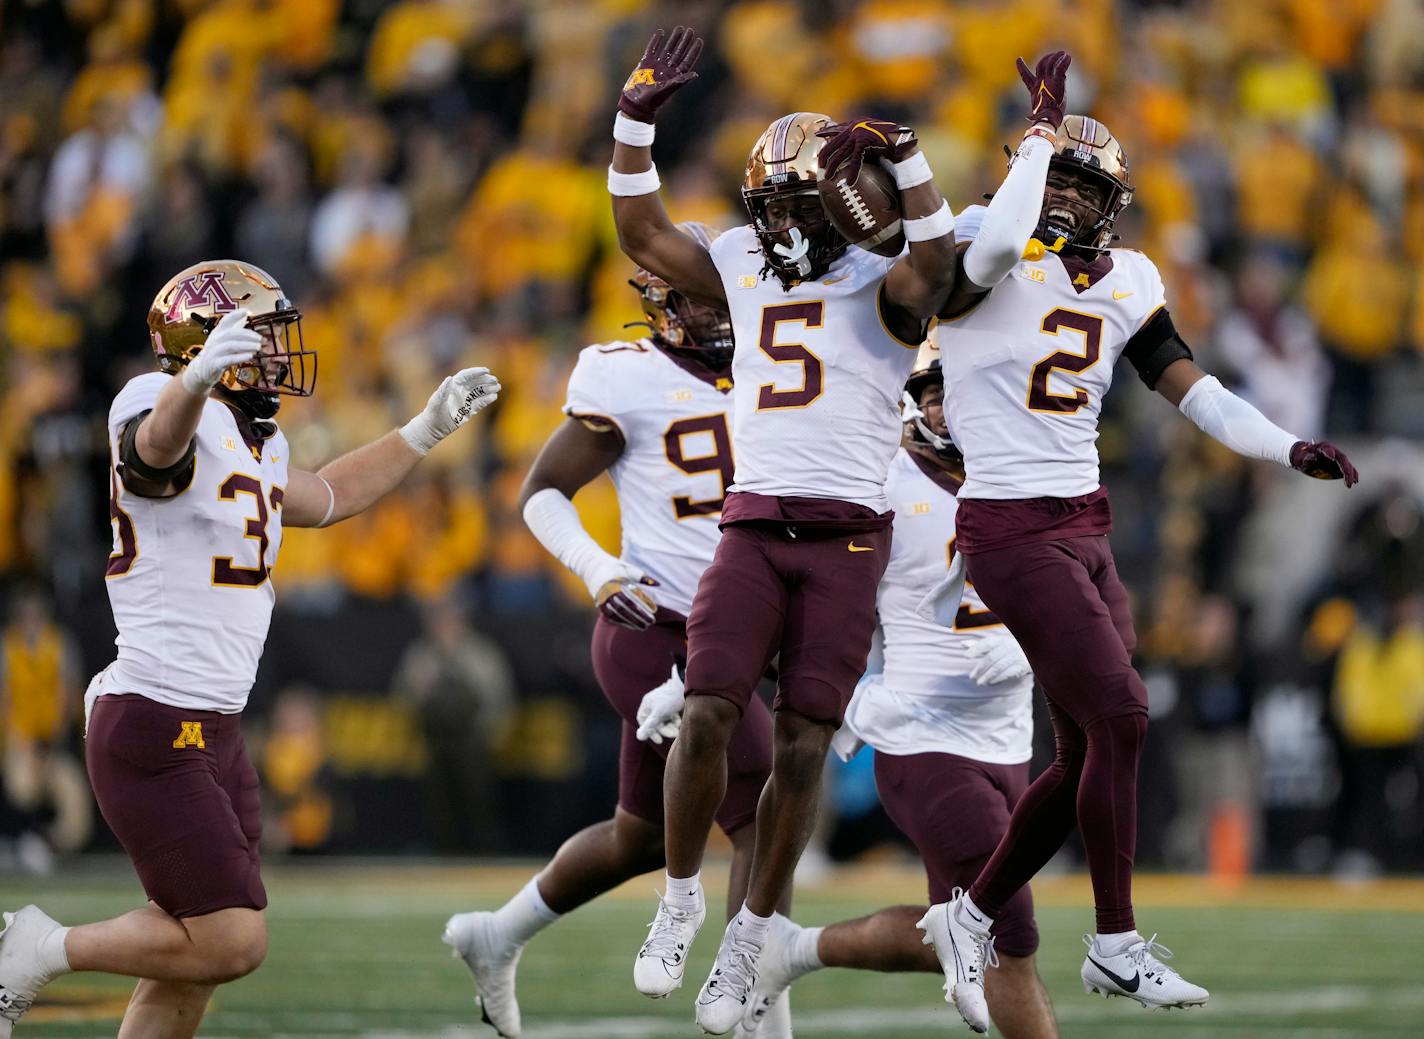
x: 190, y: 736
x: 199, y: 291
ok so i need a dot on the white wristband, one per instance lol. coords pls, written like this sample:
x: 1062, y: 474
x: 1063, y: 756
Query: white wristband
x: 331, y: 501
x: 912, y: 172
x: 194, y: 383
x: 925, y: 228
x: 624, y: 184
x: 631, y: 132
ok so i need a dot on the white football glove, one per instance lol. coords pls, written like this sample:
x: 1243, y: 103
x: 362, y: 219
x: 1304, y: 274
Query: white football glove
x: 660, y: 713
x: 230, y: 342
x: 999, y: 659
x: 450, y: 407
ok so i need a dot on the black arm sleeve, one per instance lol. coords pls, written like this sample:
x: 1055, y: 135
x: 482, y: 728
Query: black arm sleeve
x: 1155, y: 346
x: 143, y: 479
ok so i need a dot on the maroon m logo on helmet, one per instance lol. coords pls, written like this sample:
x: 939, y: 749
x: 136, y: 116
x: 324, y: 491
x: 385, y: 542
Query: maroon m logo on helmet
x: 201, y: 290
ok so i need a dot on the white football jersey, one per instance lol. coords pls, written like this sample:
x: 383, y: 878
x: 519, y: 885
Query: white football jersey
x: 1030, y: 365
x: 190, y: 576
x: 819, y: 376
x: 676, y: 463
x: 925, y: 701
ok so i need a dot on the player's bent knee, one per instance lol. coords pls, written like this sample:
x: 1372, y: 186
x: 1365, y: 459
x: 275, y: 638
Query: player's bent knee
x: 801, y: 746
x: 231, y: 942
x: 707, y: 725
x: 640, y: 842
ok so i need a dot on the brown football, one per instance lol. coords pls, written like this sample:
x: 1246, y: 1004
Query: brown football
x: 867, y: 210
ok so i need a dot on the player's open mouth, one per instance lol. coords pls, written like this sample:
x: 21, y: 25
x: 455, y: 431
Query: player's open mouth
x: 1060, y: 215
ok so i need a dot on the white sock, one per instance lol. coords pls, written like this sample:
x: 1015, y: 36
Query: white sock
x: 1116, y: 944
x: 684, y: 889
x: 54, y: 961
x: 971, y: 916
x: 524, y: 915
x: 751, y: 926
x: 803, y: 950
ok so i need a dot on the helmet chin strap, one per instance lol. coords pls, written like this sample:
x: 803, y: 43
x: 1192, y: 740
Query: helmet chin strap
x: 910, y: 412
x: 796, y: 252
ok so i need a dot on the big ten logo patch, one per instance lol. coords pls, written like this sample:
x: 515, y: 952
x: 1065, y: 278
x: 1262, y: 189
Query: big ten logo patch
x: 191, y: 735
x: 679, y: 396
x: 1032, y: 273
x: 920, y: 508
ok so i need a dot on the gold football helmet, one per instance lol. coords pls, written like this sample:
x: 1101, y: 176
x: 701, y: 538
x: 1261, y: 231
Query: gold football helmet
x: 1087, y: 149
x: 190, y: 305
x: 928, y: 372
x: 779, y: 190
x: 676, y: 322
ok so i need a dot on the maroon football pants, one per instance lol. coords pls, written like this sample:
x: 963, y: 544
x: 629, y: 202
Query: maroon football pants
x: 1065, y: 604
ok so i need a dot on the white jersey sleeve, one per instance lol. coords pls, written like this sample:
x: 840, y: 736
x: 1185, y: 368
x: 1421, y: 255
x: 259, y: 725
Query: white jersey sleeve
x: 1027, y: 367
x: 675, y: 420
x: 925, y: 701
x: 818, y: 376
x: 190, y: 576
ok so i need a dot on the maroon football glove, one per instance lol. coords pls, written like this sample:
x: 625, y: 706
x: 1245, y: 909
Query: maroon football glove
x: 1047, y: 84
x: 625, y: 604
x: 662, y: 70
x: 863, y: 139
x: 1324, y: 461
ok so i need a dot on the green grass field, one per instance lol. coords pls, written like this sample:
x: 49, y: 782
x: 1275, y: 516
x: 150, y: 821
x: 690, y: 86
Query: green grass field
x: 355, y: 952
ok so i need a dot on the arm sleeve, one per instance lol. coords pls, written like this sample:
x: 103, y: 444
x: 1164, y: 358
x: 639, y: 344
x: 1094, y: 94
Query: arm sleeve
x: 1225, y: 417
x: 553, y: 519
x: 1011, y: 216
x: 1154, y: 346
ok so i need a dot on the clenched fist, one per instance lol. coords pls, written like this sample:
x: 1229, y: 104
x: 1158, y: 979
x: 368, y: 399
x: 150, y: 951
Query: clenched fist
x: 460, y: 396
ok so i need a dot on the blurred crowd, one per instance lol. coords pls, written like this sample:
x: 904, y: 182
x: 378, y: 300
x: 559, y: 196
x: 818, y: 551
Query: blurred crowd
x: 425, y: 178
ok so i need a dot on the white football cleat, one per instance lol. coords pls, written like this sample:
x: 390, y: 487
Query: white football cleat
x: 1138, y: 973
x: 658, y: 970
x: 963, y: 953
x: 493, y: 962
x: 768, y: 1013
x: 20, y: 974
x: 727, y: 992
x: 774, y: 1022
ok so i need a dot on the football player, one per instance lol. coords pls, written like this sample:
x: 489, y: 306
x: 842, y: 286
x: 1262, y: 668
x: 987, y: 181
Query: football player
x: 656, y: 415
x: 200, y: 490
x: 950, y: 718
x: 825, y: 339
x: 1029, y: 349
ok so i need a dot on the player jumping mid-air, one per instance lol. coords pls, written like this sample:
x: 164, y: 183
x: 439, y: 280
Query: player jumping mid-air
x: 656, y: 415
x: 1029, y: 353
x: 200, y: 489
x: 825, y: 337
x: 949, y: 715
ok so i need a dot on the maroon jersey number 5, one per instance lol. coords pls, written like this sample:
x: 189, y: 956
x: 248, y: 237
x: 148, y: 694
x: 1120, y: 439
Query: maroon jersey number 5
x: 810, y: 314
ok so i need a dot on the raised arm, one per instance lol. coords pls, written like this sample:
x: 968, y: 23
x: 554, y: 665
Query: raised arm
x: 360, y: 478
x: 646, y: 234
x: 916, y: 286
x: 1012, y: 215
x: 575, y: 454
x: 156, y: 449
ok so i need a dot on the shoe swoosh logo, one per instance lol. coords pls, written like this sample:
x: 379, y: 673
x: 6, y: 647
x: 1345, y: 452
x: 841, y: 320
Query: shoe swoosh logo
x: 860, y: 548
x: 1123, y: 983
x: 1120, y: 295
x: 975, y: 918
